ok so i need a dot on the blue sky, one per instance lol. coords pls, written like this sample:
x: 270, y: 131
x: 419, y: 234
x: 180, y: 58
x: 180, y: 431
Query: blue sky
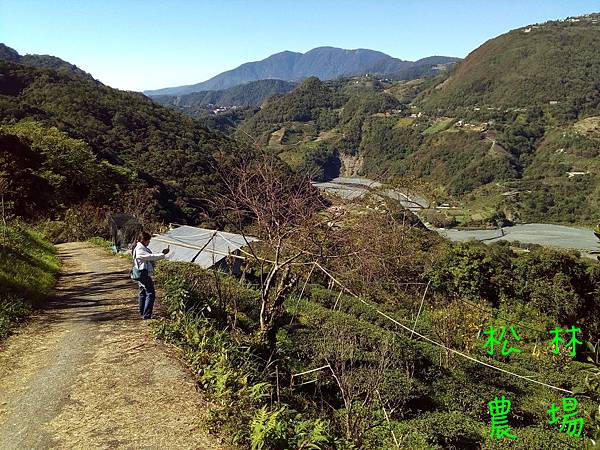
x: 148, y: 44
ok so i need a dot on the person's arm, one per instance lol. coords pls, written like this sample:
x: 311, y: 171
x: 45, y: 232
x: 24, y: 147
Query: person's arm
x: 143, y: 255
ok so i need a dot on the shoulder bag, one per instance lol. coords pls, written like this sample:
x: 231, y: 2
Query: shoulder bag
x: 135, y: 273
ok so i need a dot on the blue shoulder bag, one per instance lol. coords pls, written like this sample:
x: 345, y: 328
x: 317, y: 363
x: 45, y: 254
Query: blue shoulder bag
x: 135, y: 273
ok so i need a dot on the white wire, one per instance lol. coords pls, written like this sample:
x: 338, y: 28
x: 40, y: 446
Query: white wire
x: 302, y: 293
x: 420, y: 307
x: 439, y: 344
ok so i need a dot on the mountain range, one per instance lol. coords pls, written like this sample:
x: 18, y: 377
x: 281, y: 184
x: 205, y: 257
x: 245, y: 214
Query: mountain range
x: 512, y: 130
x: 515, y: 126
x: 323, y: 62
x: 253, y: 93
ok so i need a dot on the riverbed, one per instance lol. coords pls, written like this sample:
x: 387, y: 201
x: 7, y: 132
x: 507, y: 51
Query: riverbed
x: 550, y: 235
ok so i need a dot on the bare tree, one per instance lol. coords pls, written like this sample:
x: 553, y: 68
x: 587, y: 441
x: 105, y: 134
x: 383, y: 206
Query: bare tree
x: 360, y: 374
x: 456, y: 326
x: 289, y: 217
x: 394, y: 253
x: 141, y: 204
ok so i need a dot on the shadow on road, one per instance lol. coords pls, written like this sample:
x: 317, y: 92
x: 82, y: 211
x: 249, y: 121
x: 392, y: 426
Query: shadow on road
x: 88, y: 298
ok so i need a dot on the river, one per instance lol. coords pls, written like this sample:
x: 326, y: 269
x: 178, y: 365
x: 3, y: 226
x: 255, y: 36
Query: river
x: 558, y: 236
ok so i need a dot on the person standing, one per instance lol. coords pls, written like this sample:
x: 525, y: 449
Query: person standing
x: 143, y: 259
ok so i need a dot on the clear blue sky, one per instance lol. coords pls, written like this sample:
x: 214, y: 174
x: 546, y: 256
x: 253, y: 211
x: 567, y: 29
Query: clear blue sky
x: 148, y: 44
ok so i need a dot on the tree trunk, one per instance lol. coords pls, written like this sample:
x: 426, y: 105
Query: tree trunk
x: 274, y: 309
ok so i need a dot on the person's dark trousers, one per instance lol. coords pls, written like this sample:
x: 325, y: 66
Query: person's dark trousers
x: 146, y: 297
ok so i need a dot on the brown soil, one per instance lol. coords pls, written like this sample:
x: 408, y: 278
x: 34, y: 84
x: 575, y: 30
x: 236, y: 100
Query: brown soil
x: 87, y: 372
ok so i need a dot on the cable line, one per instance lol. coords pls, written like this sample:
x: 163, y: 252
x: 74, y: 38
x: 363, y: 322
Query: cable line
x: 439, y: 344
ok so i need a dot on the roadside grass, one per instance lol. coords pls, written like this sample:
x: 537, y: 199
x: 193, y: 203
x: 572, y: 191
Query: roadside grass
x: 28, y: 269
x: 100, y: 242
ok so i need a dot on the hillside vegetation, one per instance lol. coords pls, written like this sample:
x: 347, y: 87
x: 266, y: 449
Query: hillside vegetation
x: 249, y: 94
x: 377, y: 386
x: 352, y: 326
x: 42, y: 62
x: 531, y: 66
x: 28, y: 269
x: 125, y: 150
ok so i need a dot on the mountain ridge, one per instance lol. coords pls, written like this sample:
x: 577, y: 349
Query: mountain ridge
x: 42, y: 62
x: 550, y: 63
x: 111, y: 145
x: 253, y: 93
x: 322, y: 62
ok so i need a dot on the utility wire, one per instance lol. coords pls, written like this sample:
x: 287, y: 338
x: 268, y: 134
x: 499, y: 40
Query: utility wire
x: 438, y: 344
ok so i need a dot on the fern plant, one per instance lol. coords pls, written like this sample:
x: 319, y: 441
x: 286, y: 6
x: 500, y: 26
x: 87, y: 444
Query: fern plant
x: 310, y: 434
x: 265, y: 427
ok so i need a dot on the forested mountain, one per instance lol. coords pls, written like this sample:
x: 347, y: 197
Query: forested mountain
x: 249, y: 94
x: 323, y: 62
x: 303, y: 104
x: 555, y: 62
x: 41, y: 61
x: 85, y: 142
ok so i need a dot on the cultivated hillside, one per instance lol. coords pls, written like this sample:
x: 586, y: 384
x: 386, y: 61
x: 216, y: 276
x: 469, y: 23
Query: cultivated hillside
x: 536, y: 65
x: 526, y: 163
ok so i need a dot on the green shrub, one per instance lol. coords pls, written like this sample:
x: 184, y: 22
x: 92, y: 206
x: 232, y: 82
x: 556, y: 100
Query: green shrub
x: 281, y: 428
x: 450, y: 430
x: 534, y: 437
x: 431, y: 404
x: 190, y: 288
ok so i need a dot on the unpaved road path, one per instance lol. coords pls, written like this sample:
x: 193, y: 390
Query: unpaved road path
x: 87, y: 372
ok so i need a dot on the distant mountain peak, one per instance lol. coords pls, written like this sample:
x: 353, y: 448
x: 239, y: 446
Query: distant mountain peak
x: 324, y: 62
x: 8, y: 54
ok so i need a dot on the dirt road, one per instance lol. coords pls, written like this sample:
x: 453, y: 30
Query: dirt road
x: 87, y: 373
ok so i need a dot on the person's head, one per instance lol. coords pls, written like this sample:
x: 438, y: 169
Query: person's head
x: 144, y: 237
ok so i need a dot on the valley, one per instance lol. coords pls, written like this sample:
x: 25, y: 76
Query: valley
x: 363, y: 251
